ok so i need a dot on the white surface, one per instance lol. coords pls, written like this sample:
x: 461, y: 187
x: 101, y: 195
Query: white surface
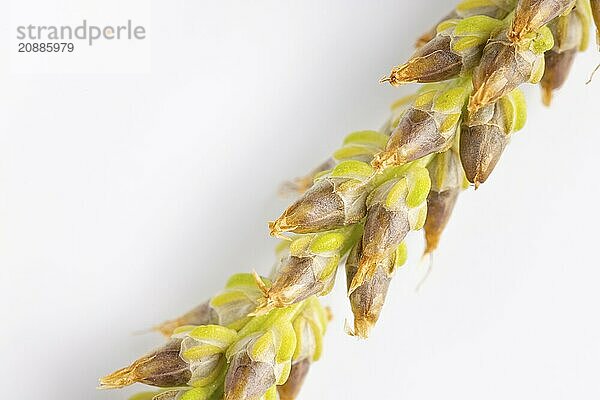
x: 128, y: 199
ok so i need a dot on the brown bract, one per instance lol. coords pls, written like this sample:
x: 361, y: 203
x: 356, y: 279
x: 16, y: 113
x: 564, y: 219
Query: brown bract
x: 568, y: 32
x: 295, y: 281
x: 433, y: 62
x: 367, y: 299
x: 320, y: 208
x: 290, y: 389
x: 416, y: 136
x: 162, y: 368
x: 482, y: 140
x: 247, y: 379
x: 531, y: 15
x: 384, y: 231
x: 504, y: 66
x: 558, y: 66
x: 297, y: 278
x: 447, y: 179
x: 329, y: 204
x: 439, y: 210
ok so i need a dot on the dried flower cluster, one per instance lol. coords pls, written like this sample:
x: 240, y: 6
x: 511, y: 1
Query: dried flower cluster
x: 258, y: 337
x: 218, y: 350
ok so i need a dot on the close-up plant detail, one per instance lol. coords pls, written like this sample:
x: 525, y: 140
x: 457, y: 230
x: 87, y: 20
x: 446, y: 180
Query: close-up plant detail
x: 257, y: 338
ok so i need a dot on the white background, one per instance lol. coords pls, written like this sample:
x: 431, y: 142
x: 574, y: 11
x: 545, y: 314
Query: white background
x: 126, y: 199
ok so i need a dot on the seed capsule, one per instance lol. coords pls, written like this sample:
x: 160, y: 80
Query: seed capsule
x: 531, y: 15
x: 447, y: 178
x: 485, y: 134
x: 428, y: 126
x: 367, y: 299
x: 455, y: 49
x: 309, y: 268
x: 506, y: 65
x: 394, y: 208
x: 163, y: 368
x: 570, y: 36
x: 337, y: 199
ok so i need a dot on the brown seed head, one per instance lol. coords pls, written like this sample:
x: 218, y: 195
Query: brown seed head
x: 290, y: 389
